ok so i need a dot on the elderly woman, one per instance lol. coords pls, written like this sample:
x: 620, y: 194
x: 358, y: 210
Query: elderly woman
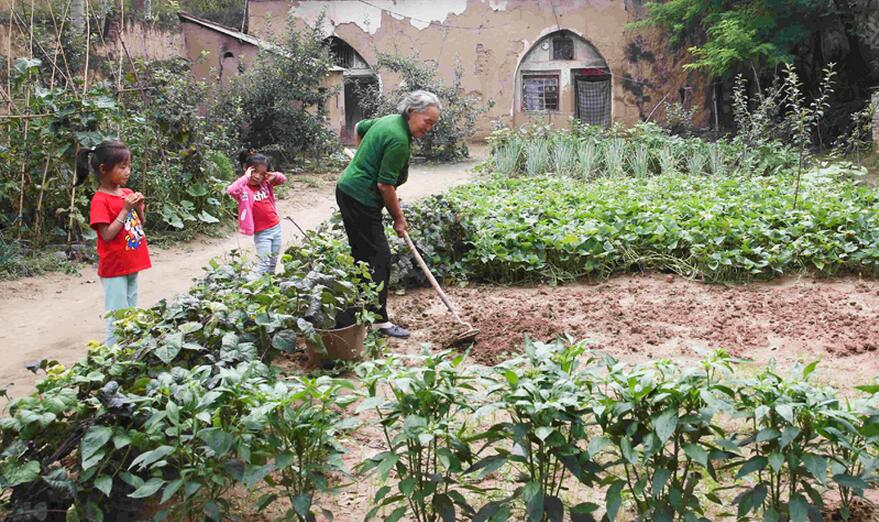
x: 370, y: 183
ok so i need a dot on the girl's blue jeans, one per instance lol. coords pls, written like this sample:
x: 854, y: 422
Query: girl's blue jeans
x: 268, y: 249
x: 119, y: 292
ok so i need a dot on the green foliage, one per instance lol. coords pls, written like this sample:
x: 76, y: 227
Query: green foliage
x: 727, y: 35
x: 859, y: 138
x: 659, y: 423
x: 173, y: 162
x: 641, y: 151
x: 728, y: 221
x: 185, y: 408
x: 277, y: 106
x: 547, y: 405
x: 803, y: 438
x: 420, y: 410
x: 448, y: 139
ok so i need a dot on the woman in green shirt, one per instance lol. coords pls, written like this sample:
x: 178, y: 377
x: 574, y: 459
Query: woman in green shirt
x: 370, y: 183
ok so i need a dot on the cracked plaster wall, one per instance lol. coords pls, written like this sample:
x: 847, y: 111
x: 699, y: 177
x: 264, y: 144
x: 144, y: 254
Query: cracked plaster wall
x: 489, y: 38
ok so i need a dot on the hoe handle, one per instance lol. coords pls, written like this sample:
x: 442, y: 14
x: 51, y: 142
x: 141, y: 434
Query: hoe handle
x: 430, y: 278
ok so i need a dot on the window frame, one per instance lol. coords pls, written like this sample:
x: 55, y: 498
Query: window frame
x: 567, y: 39
x: 541, y: 75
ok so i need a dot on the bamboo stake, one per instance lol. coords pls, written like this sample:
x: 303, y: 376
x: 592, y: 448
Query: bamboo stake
x: 38, y: 225
x: 85, y: 86
x: 88, y: 43
x: 120, y: 32
x: 24, y: 162
x: 37, y: 220
x: 70, y: 208
x: 139, y: 87
x: 9, y: 60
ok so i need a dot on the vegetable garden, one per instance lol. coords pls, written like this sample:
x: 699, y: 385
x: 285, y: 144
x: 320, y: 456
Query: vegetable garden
x: 205, y: 410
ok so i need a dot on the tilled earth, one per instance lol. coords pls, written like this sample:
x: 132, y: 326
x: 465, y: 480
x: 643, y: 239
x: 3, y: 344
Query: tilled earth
x: 655, y: 316
x: 640, y: 318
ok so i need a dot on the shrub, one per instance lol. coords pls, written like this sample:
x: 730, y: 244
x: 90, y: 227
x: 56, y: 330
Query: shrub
x: 277, y: 106
x: 448, y: 140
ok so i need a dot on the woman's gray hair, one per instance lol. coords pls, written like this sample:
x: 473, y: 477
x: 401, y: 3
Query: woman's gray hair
x: 417, y: 101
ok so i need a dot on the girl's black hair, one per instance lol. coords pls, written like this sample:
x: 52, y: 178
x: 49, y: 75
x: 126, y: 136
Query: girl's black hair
x: 258, y: 159
x: 244, y: 157
x: 108, y: 153
x: 248, y: 158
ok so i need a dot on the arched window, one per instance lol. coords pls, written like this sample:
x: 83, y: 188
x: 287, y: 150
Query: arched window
x: 344, y: 55
x: 563, y: 73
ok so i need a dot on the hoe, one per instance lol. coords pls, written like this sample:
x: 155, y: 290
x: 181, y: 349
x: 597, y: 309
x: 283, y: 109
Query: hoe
x: 469, y: 334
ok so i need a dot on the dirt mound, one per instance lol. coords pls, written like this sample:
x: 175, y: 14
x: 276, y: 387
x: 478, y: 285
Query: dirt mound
x: 653, y: 316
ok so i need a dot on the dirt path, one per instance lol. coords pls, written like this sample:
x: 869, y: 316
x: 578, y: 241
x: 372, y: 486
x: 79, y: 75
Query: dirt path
x: 53, y: 317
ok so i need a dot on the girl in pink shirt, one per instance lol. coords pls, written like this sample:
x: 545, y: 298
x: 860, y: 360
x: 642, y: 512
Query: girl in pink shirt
x: 257, y: 215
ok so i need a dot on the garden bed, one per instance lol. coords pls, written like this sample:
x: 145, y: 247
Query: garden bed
x: 653, y: 316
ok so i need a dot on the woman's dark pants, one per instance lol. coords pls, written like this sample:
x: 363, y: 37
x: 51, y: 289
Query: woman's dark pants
x: 366, y: 235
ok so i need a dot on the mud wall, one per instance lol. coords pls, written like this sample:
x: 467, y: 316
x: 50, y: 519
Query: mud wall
x: 213, y: 56
x: 490, y: 38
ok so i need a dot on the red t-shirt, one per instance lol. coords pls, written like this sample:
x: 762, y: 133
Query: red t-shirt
x: 264, y: 214
x: 126, y: 253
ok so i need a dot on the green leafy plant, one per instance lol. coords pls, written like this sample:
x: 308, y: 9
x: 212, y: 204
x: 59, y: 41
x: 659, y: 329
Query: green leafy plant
x: 587, y: 156
x: 788, y: 454
x: 548, y: 407
x: 659, y: 424
x: 614, y: 157
x: 507, y: 157
x: 564, y: 155
x: 422, y: 411
x: 300, y: 420
x: 537, y: 157
x: 639, y: 161
x: 278, y: 105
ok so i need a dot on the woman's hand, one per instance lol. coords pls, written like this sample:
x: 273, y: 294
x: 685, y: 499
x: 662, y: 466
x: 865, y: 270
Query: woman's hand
x: 400, y: 226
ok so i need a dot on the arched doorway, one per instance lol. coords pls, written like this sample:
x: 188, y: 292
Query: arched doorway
x: 357, y: 78
x: 564, y: 74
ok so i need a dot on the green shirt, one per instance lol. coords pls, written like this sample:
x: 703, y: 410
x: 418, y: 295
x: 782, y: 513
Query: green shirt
x: 383, y: 157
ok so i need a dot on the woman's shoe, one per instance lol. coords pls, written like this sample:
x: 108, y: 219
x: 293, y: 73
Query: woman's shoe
x: 394, y: 331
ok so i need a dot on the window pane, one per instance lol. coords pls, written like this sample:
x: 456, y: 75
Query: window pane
x: 563, y: 49
x: 540, y: 93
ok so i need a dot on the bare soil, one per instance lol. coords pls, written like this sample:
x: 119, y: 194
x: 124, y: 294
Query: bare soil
x: 654, y: 316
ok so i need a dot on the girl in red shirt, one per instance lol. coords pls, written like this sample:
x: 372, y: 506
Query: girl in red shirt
x: 117, y: 215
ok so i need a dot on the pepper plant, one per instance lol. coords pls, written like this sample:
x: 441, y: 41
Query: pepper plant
x: 548, y: 405
x: 789, y: 456
x: 423, y: 411
x: 659, y: 425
